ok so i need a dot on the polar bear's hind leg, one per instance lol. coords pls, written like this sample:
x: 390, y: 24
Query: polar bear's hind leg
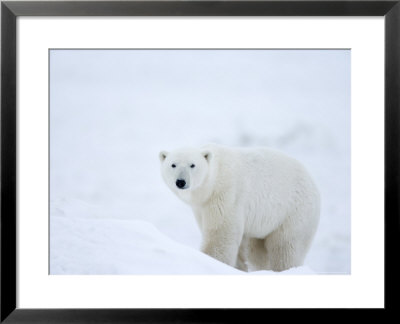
x: 286, y: 249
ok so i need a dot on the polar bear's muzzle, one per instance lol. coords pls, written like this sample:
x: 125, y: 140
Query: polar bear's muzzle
x: 181, y: 184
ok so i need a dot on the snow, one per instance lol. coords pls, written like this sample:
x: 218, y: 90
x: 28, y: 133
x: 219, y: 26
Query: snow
x: 112, y: 111
x: 109, y: 246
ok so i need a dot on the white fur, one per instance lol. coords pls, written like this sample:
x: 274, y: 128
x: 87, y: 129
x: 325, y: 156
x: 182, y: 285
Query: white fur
x: 256, y: 208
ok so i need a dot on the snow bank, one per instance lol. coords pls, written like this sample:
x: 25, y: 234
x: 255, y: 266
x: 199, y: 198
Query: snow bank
x: 107, y: 246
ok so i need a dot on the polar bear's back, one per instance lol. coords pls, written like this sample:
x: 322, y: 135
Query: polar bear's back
x: 256, y: 163
x: 269, y: 187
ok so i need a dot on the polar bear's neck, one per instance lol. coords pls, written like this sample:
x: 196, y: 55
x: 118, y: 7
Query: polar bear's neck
x: 212, y: 185
x: 200, y: 195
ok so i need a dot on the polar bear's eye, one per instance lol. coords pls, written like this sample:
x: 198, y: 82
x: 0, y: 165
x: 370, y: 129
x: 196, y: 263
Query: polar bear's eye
x: 173, y: 165
x: 192, y: 166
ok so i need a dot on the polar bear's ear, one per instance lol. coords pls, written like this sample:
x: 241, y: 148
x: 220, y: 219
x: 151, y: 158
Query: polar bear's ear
x: 163, y: 155
x: 207, y: 155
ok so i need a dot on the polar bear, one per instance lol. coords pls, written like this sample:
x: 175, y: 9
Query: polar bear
x: 257, y: 208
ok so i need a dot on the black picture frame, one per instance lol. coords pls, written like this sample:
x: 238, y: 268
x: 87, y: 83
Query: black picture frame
x: 10, y: 10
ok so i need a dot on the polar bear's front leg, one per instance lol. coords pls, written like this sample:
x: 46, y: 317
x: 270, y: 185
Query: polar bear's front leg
x: 222, y: 242
x: 221, y: 247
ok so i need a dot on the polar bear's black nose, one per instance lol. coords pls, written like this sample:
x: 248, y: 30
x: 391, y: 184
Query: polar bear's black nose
x: 180, y: 183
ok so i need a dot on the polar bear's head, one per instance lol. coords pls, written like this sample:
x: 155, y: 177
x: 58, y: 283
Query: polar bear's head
x: 184, y: 170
